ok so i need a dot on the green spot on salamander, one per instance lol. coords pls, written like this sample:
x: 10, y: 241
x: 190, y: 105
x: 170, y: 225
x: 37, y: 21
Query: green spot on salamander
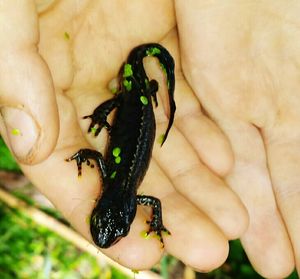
x: 153, y: 51
x: 118, y: 160
x: 163, y: 68
x: 113, y: 175
x: 144, y: 100
x: 161, y: 138
x: 114, y: 90
x: 127, y: 71
x: 165, y: 72
x: 93, y: 130
x: 147, y: 83
x: 116, y: 151
x: 88, y: 220
x: 127, y: 84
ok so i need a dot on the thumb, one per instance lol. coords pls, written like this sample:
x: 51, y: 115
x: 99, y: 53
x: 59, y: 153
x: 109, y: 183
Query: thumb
x: 28, y: 109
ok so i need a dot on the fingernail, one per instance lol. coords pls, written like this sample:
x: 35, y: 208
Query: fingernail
x: 22, y: 133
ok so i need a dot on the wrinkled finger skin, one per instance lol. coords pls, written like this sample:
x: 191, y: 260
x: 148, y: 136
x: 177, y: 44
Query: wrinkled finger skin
x: 83, y: 45
x: 242, y: 60
x: 26, y: 89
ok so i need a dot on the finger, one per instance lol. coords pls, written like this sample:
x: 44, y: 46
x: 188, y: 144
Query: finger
x: 283, y: 150
x: 212, y: 147
x: 29, y: 121
x: 266, y: 241
x: 198, y: 184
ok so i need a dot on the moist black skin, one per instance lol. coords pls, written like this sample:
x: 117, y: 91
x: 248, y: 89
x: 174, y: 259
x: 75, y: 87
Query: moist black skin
x: 129, y: 149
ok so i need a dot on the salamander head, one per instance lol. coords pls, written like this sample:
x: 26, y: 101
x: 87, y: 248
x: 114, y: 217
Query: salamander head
x: 111, y: 220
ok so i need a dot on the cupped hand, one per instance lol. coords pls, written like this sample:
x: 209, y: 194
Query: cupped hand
x: 63, y: 59
x: 242, y: 59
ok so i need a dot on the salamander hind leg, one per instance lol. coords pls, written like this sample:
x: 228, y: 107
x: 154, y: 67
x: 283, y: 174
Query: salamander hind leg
x: 99, y: 116
x: 156, y: 223
x: 153, y: 88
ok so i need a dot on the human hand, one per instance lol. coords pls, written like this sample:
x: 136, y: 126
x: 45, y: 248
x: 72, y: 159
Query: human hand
x: 242, y: 60
x: 84, y: 44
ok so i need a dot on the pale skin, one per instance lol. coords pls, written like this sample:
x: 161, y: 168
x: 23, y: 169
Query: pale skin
x: 80, y: 50
x: 243, y: 64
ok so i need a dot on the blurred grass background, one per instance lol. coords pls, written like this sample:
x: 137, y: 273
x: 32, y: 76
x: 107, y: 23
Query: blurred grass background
x: 29, y: 250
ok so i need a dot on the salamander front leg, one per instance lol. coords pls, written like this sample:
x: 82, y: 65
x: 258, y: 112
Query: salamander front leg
x: 84, y: 156
x: 156, y: 223
x: 99, y: 116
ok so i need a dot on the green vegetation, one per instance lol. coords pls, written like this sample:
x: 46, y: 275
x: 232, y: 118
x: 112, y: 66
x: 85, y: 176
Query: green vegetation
x: 237, y: 265
x: 6, y: 160
x: 31, y: 251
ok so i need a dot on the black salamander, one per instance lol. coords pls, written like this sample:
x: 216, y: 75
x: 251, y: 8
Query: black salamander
x: 131, y: 138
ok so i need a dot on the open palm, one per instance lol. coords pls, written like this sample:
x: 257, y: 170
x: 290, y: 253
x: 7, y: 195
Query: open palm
x: 83, y: 45
x: 243, y: 63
